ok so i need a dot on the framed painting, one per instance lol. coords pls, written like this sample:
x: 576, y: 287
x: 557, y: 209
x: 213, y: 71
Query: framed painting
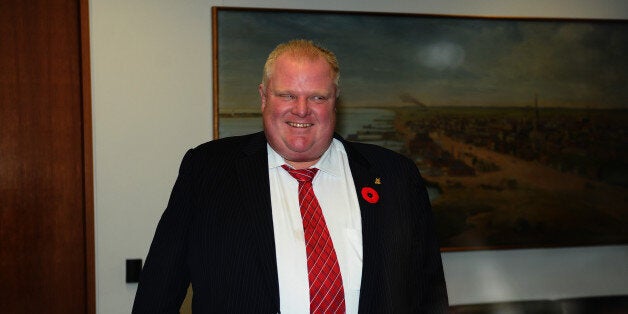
x: 518, y: 126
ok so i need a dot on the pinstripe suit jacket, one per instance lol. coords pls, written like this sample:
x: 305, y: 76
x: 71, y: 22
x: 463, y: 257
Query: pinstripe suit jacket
x: 217, y: 233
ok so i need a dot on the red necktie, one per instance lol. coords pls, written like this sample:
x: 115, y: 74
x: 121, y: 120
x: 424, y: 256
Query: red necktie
x: 326, y: 291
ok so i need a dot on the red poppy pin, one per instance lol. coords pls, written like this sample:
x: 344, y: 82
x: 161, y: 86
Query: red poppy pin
x: 370, y: 195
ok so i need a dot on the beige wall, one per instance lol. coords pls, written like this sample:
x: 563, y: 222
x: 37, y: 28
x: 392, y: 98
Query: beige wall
x: 151, y: 80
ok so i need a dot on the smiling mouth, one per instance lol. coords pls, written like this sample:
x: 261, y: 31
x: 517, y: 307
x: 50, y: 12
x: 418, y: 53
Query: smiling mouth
x: 300, y: 125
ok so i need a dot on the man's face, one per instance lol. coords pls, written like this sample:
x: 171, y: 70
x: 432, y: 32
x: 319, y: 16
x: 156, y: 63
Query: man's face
x: 298, y: 109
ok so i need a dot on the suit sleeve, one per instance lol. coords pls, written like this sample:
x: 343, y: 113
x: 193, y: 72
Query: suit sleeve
x: 431, y: 287
x: 165, y: 275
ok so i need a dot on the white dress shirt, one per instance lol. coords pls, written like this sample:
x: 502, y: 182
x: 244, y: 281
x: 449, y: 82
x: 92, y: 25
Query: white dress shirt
x: 334, y: 188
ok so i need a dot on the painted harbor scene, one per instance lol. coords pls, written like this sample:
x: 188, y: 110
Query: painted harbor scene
x: 519, y: 127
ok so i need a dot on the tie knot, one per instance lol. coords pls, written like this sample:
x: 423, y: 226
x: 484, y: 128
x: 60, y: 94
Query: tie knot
x: 302, y: 175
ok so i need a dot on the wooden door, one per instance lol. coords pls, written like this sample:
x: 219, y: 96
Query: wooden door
x: 46, y: 191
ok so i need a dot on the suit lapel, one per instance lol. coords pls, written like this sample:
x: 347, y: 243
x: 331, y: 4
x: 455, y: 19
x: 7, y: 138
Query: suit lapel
x: 252, y: 173
x: 367, y: 186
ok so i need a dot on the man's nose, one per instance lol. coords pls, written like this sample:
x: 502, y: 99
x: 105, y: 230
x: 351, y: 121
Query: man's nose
x: 301, y: 107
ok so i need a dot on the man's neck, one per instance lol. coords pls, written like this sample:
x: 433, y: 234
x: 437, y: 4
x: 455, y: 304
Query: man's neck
x: 301, y: 164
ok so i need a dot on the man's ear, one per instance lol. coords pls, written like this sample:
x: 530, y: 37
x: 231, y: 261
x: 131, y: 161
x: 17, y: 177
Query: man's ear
x: 262, y: 95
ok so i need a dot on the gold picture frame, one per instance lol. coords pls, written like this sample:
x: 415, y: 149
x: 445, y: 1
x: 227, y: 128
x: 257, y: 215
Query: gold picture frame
x: 519, y: 126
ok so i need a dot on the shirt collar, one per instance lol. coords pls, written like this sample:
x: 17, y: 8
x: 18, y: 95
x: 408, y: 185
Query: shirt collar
x: 325, y: 164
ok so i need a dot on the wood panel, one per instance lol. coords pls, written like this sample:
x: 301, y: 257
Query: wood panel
x: 46, y: 210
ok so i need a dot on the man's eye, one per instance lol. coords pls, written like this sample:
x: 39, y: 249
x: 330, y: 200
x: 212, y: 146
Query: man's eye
x: 319, y: 99
x: 287, y: 96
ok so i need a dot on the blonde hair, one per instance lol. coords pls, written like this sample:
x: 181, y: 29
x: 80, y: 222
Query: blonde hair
x: 301, y: 49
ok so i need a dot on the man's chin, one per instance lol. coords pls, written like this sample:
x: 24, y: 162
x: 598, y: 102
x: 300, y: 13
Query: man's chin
x: 299, y: 147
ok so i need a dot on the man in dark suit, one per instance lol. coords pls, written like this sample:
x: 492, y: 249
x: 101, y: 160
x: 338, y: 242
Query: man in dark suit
x: 230, y: 229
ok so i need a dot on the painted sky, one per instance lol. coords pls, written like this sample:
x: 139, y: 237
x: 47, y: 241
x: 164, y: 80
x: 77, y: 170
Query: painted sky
x: 438, y: 61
